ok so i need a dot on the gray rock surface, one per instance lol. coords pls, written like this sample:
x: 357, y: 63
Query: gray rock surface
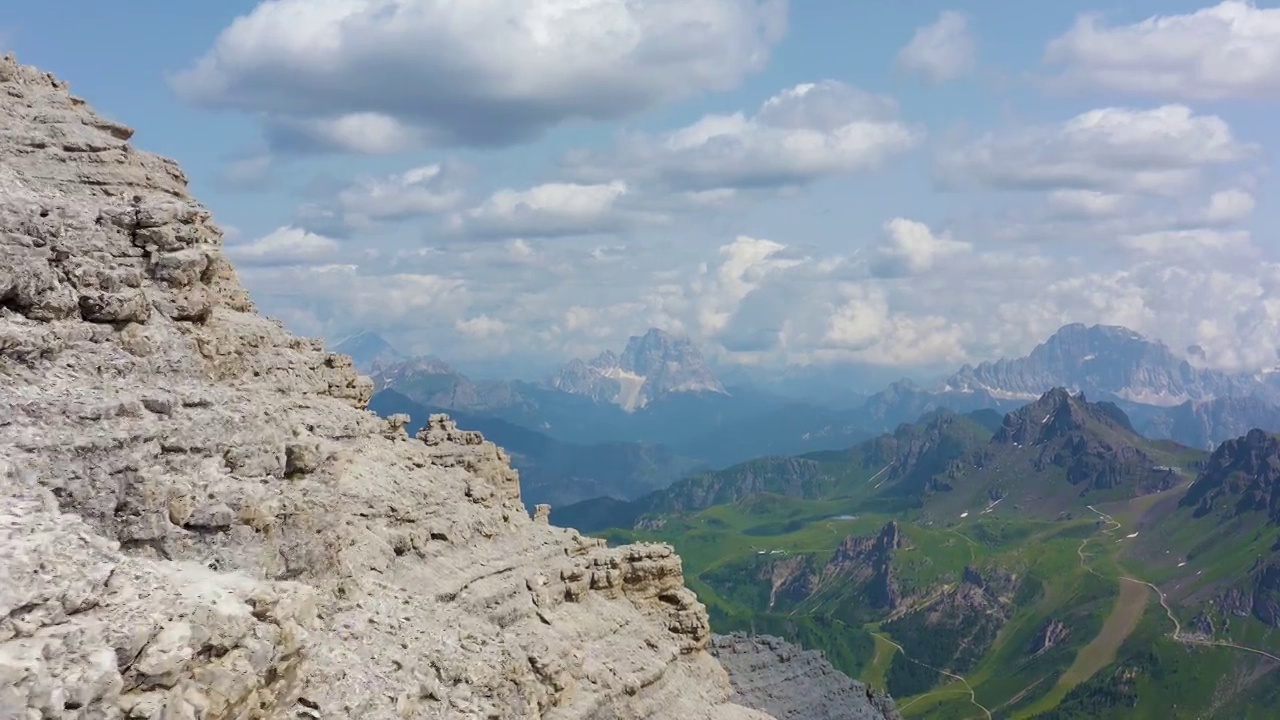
x: 200, y: 520
x: 794, y: 684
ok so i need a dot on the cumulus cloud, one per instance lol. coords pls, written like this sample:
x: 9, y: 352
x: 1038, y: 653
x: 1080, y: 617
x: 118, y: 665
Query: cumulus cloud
x: 763, y: 301
x: 911, y: 248
x: 942, y: 51
x: 367, y: 202
x: 1230, y: 50
x: 420, y: 191
x: 1190, y: 244
x: 743, y: 266
x: 1087, y: 204
x: 481, y: 327
x: 330, y: 299
x: 551, y: 210
x: 801, y: 134
x: 285, y: 245
x: 361, y: 76
x: 1161, y: 150
x: 1229, y: 206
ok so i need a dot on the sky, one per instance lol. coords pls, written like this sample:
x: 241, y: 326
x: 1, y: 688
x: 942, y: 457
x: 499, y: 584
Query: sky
x: 891, y: 186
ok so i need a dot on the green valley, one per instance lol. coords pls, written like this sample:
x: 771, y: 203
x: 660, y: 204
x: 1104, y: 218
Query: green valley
x: 1052, y: 563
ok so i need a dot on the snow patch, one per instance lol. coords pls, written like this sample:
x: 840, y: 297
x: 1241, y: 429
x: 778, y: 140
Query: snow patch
x: 630, y: 389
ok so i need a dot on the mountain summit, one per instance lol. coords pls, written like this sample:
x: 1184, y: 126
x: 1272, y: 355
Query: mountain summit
x: 368, y: 350
x: 1101, y: 361
x: 651, y: 366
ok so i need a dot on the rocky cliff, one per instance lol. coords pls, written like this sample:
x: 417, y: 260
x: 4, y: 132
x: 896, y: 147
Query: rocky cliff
x: 198, y: 519
x: 795, y: 684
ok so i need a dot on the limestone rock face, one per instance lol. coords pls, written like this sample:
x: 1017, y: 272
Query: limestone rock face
x: 794, y: 684
x: 200, y: 520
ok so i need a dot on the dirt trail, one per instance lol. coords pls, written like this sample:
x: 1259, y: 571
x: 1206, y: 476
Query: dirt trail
x: 1177, y: 635
x: 973, y: 698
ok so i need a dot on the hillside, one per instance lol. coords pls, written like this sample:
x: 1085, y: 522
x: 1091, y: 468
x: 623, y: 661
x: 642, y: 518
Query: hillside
x: 908, y: 457
x: 199, y: 519
x: 1058, y: 566
x: 1053, y: 456
x: 1057, y: 455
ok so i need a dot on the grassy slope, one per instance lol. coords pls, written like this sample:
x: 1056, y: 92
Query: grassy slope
x: 1119, y: 652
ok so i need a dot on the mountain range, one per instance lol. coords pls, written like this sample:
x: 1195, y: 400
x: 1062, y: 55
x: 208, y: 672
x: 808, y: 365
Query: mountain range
x: 659, y: 402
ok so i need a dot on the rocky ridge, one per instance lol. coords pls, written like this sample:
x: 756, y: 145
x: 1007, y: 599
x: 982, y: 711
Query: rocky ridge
x: 199, y: 520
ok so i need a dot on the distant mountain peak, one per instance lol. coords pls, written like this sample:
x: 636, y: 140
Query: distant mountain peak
x: 1102, y: 360
x: 1058, y: 413
x: 652, y: 365
x: 368, y: 350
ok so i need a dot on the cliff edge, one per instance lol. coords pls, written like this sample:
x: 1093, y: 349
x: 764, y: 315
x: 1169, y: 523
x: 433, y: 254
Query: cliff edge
x: 198, y: 519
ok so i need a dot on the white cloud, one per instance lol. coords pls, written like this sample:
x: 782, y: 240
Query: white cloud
x: 551, y: 210
x: 481, y: 327
x: 370, y: 204
x: 1189, y: 243
x: 941, y: 52
x: 330, y: 299
x: 285, y: 246
x: 743, y: 266
x: 1230, y: 50
x: 420, y: 191
x: 364, y: 76
x: 1229, y: 206
x: 1087, y: 204
x: 911, y: 248
x: 1161, y: 150
x: 362, y: 133
x: 761, y: 301
x: 801, y: 134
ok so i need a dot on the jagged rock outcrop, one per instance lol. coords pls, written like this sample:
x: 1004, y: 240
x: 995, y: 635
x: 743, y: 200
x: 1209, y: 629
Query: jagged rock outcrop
x: 1094, y: 443
x: 1242, y: 476
x: 1051, y: 634
x: 794, y: 684
x: 860, y: 571
x: 250, y: 541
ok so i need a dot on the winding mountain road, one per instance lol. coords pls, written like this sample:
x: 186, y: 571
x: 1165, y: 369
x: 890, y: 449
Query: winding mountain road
x: 1177, y: 634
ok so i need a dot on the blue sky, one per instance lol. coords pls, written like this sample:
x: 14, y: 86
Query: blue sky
x: 933, y: 183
